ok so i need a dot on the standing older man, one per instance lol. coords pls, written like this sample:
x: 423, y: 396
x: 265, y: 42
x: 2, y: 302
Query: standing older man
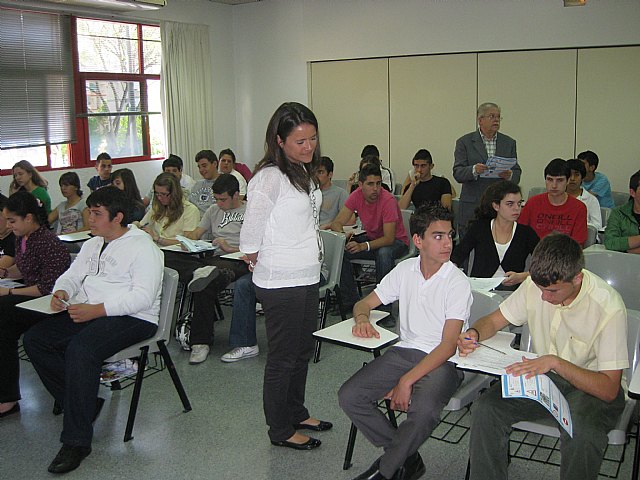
x: 470, y: 160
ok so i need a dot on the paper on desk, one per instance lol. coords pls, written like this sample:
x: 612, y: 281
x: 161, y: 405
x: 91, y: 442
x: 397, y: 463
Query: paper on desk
x: 485, y: 284
x: 489, y: 361
x: 39, y: 304
x: 75, y: 236
x: 341, y: 332
x: 8, y: 283
x: 498, y: 165
x: 353, y: 229
x: 195, y: 246
x: 233, y: 256
x: 541, y: 389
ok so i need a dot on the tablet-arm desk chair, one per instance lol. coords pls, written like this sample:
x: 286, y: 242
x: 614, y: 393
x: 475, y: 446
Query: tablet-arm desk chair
x: 539, y: 451
x: 333, y: 253
x: 155, y: 344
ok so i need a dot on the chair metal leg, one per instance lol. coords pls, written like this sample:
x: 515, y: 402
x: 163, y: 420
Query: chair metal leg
x: 350, y: 446
x: 219, y: 312
x: 323, y: 320
x: 174, y: 376
x: 339, y: 303
x: 135, y: 398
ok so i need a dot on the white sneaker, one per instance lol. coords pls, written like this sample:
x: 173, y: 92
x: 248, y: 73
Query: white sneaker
x: 202, y: 277
x: 240, y: 353
x: 199, y: 354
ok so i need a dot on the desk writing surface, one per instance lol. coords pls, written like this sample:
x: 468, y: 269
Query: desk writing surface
x: 340, y: 333
x: 75, y: 236
x: 177, y: 248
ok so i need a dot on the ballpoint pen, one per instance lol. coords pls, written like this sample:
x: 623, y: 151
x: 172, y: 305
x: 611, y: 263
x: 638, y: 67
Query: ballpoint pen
x: 486, y: 346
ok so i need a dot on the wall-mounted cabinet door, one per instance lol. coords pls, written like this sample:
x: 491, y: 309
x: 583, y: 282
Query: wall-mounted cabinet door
x: 351, y: 102
x: 536, y: 91
x: 432, y: 102
x: 608, y: 120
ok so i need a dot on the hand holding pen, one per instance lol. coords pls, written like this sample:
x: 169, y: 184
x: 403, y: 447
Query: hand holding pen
x: 59, y: 301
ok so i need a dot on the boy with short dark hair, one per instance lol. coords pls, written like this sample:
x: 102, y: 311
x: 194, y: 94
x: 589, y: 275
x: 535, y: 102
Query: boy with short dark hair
x: 107, y: 300
x: 201, y: 195
x: 596, y: 183
x: 623, y: 227
x: 556, y: 210
x: 333, y: 197
x: 103, y: 167
x: 415, y: 374
x: 578, y: 327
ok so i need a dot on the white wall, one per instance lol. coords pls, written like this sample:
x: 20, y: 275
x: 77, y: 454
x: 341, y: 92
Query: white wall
x: 274, y: 40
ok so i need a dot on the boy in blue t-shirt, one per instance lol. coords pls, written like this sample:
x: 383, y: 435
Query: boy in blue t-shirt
x: 595, y: 182
x: 103, y: 167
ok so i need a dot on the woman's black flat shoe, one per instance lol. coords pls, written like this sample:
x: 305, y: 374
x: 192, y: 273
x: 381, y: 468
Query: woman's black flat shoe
x: 11, y: 411
x: 321, y: 427
x: 308, y: 445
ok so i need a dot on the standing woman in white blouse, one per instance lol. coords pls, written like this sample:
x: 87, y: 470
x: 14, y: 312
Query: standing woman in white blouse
x: 281, y: 240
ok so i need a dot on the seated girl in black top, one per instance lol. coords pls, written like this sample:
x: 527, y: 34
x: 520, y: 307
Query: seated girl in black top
x: 125, y: 180
x: 501, y: 245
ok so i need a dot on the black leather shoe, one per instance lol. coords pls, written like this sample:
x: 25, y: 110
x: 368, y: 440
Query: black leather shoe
x: 413, y: 467
x: 11, y: 411
x: 308, y: 445
x: 372, y: 473
x: 321, y: 427
x: 68, y: 458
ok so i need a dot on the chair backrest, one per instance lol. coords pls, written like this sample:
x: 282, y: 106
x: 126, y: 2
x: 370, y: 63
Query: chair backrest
x: 333, y: 253
x: 536, y: 191
x: 406, y: 216
x: 633, y: 341
x: 620, y: 198
x: 167, y: 303
x: 340, y: 183
x: 620, y: 270
x: 484, y: 303
x: 592, y: 234
x: 604, y: 213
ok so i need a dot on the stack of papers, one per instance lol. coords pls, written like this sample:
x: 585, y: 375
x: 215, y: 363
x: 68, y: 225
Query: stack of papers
x: 194, y: 246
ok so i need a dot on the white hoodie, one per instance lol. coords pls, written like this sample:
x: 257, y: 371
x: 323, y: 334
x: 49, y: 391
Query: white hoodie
x: 126, y: 277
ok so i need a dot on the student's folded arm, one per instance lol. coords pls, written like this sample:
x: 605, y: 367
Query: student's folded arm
x: 387, y: 238
x: 603, y: 385
x: 405, y: 200
x: 445, y: 200
x: 443, y: 352
x: 342, y: 219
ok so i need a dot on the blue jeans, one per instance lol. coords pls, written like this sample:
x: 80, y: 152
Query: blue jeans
x: 385, y: 261
x: 243, y: 317
x: 68, y: 358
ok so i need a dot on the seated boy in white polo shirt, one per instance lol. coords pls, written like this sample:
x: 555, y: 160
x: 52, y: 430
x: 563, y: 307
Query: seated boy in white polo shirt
x: 415, y: 375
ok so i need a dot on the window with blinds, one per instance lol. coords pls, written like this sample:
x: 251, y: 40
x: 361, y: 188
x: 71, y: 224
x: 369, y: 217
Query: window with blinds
x: 36, y: 80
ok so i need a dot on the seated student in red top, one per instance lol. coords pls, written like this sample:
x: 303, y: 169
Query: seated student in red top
x: 555, y: 210
x: 385, y: 238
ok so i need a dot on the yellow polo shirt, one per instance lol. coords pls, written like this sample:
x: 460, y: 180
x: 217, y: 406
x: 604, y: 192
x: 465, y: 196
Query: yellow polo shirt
x: 591, y: 332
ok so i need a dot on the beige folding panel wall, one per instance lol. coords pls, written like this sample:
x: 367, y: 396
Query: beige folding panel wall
x: 351, y: 102
x: 537, y: 94
x: 431, y: 103
x: 555, y: 103
x: 608, y: 120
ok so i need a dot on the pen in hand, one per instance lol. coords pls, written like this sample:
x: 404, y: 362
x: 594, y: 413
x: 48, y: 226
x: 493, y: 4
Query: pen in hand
x: 63, y: 301
x: 483, y: 345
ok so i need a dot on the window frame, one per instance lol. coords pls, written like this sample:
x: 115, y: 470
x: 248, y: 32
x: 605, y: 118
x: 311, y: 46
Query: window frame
x: 79, y: 151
